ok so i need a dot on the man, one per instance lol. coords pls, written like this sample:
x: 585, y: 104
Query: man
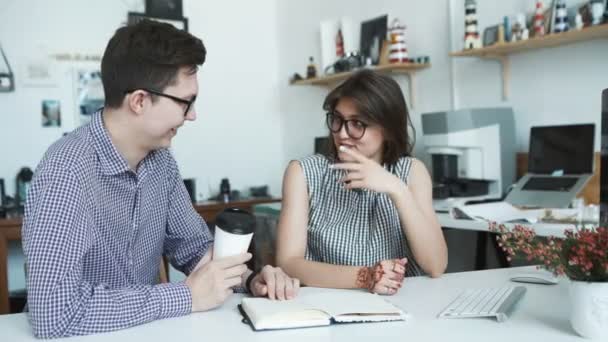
x: 107, y: 201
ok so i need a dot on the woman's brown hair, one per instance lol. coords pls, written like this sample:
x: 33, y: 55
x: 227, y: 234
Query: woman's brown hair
x: 379, y: 100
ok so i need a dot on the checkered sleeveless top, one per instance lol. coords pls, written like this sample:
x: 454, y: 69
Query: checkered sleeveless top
x: 353, y: 227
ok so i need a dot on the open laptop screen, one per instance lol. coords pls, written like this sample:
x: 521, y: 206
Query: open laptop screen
x: 568, y: 148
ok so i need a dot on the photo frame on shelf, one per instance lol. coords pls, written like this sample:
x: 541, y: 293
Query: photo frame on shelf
x: 490, y: 35
x: 168, y: 9
x: 2, y: 193
x: 134, y: 18
x: 373, y: 34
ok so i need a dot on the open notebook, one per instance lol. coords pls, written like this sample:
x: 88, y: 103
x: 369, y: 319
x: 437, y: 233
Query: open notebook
x: 317, y: 307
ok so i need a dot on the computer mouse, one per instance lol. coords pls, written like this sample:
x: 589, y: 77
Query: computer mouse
x: 535, y: 277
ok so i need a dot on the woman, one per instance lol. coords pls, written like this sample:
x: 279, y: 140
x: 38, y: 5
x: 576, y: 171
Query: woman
x: 362, y: 215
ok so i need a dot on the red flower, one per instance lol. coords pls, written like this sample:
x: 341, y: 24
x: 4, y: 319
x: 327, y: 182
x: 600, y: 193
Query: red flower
x: 581, y: 255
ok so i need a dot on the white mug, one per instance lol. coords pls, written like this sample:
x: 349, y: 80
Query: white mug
x: 233, y: 232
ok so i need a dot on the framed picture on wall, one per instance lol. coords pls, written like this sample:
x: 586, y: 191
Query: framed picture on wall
x: 1, y: 193
x: 88, y: 92
x: 134, y: 17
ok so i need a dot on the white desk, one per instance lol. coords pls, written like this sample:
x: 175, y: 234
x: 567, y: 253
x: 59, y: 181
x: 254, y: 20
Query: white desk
x: 541, y: 229
x: 541, y: 315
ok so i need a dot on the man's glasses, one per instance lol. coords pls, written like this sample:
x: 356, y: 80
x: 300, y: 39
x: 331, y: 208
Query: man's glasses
x: 187, y: 103
x: 354, y: 128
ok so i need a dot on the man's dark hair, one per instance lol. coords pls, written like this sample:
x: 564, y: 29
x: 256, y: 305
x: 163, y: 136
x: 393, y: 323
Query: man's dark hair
x: 379, y: 100
x: 147, y: 55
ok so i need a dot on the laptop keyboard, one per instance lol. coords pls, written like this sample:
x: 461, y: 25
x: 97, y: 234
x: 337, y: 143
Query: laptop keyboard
x: 550, y: 183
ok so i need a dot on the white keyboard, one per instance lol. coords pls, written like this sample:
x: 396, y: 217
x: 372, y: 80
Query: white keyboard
x: 485, y: 302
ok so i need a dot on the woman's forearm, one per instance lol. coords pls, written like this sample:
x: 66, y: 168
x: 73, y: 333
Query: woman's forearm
x: 423, y: 232
x: 318, y: 274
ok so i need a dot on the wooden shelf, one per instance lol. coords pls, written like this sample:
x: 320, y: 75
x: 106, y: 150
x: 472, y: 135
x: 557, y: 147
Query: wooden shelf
x: 407, y: 69
x: 501, y: 52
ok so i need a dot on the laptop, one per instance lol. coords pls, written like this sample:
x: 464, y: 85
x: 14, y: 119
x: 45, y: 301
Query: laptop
x: 560, y: 163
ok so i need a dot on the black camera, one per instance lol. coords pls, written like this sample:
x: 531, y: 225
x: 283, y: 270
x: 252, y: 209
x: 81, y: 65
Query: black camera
x: 347, y: 63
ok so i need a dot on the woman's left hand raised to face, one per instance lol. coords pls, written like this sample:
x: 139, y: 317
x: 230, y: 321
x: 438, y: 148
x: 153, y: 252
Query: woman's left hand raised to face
x: 365, y: 173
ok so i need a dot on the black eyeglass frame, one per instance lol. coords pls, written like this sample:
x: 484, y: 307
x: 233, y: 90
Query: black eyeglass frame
x: 329, y: 119
x: 187, y: 103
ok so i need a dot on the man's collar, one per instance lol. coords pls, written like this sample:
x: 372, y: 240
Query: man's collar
x: 112, y: 163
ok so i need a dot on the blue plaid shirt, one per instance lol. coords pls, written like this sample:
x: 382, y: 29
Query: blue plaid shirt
x: 94, y: 232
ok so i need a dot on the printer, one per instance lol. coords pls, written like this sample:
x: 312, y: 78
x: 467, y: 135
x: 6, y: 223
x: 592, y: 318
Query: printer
x: 472, y: 152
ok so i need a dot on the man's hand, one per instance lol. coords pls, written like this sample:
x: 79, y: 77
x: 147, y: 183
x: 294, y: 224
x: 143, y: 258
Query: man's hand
x: 211, y: 283
x: 274, y: 283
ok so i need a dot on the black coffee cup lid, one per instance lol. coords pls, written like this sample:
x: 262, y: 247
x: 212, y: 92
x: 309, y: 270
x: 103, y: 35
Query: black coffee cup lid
x: 235, y: 221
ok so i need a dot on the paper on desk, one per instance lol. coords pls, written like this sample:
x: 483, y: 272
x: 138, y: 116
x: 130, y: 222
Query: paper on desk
x: 500, y: 212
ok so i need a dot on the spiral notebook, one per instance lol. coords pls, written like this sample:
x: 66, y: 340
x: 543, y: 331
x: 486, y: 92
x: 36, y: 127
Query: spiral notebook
x: 319, y: 307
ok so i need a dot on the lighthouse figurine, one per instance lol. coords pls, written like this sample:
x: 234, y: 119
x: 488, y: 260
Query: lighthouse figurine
x: 471, y: 34
x: 398, y: 47
x: 539, y: 19
x: 561, y: 17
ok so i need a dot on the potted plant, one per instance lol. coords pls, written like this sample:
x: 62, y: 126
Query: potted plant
x: 582, y: 256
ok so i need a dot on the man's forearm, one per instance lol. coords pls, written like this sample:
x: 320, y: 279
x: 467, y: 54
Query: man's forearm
x: 96, y: 309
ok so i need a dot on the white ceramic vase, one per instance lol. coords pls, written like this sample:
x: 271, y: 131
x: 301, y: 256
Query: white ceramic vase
x: 589, y: 309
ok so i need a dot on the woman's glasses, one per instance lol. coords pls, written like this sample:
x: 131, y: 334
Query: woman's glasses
x: 354, y: 128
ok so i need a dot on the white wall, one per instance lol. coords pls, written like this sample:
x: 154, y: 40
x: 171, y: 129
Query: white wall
x: 549, y: 86
x: 251, y: 122
x: 299, y: 38
x: 230, y: 137
x: 236, y: 134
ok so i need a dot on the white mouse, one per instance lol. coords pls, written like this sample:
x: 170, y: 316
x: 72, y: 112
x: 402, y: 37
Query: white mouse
x: 535, y: 277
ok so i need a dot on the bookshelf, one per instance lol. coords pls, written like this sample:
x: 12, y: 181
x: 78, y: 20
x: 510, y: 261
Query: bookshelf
x: 502, y: 51
x: 407, y: 69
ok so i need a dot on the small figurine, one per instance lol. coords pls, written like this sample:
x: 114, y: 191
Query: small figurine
x: 398, y: 47
x: 519, y: 28
x: 311, y: 69
x: 539, y: 19
x: 561, y: 17
x: 597, y: 11
x: 339, y: 44
x: 578, y: 21
x: 471, y: 35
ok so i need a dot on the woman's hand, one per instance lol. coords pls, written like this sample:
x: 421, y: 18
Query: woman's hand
x: 366, y: 173
x: 386, y: 277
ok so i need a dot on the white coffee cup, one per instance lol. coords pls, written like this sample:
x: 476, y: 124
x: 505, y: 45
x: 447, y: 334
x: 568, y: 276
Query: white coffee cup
x: 233, y: 232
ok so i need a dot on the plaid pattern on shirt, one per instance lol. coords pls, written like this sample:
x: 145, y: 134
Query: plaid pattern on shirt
x: 94, y: 232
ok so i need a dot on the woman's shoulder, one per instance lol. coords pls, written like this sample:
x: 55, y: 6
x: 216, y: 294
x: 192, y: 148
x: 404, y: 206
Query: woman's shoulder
x: 408, y: 167
x: 313, y: 167
x: 314, y: 161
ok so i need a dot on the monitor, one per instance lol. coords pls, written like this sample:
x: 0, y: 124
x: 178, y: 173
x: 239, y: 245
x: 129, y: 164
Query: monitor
x: 321, y: 145
x: 568, y: 148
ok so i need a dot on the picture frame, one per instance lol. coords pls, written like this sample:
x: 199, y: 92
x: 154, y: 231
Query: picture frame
x: 373, y: 35
x: 490, y: 35
x: 135, y: 17
x: 2, y: 193
x: 168, y: 9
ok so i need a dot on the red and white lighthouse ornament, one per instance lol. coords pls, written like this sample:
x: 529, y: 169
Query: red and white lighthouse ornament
x: 539, y: 19
x: 398, y: 47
